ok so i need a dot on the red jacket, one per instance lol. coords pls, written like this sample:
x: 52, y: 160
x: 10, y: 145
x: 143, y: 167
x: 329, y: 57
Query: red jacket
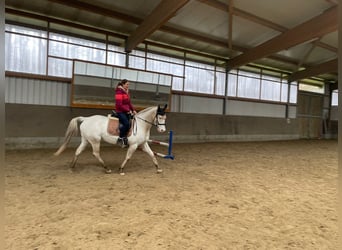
x: 122, y: 101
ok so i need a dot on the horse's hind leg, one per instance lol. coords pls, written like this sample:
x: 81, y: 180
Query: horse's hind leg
x: 79, y: 150
x: 146, y: 148
x: 96, y: 153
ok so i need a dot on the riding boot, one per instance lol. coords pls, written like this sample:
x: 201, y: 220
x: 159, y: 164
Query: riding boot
x: 119, y: 142
x: 124, y: 142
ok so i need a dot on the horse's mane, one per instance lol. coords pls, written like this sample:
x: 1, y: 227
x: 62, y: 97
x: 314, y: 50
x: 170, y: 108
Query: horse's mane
x: 145, y: 110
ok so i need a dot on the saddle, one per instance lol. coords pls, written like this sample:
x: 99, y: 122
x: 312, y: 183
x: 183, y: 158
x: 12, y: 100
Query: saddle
x: 114, y: 125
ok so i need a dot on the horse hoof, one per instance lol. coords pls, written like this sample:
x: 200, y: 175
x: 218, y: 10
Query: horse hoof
x: 108, y: 171
x: 159, y: 171
x: 122, y: 174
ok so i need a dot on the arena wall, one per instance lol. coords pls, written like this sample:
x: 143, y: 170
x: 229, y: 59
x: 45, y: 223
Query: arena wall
x: 38, y: 112
x: 39, y: 126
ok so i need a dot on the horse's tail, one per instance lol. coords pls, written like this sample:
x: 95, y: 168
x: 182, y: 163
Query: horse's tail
x: 71, y: 131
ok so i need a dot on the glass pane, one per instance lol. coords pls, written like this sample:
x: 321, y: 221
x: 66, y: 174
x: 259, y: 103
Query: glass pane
x: 270, y: 90
x: 284, y: 91
x: 232, y: 80
x: 164, y: 64
x: 72, y: 51
x: 220, y: 83
x: 94, y: 83
x: 199, y: 80
x: 137, y: 59
x: 199, y: 65
x: 311, y: 88
x: 334, y: 98
x: 116, y: 55
x: 99, y: 70
x: 60, y: 67
x: 293, y: 93
x: 77, y: 32
x: 248, y: 87
x: 115, y: 58
x: 25, y: 30
x: 76, y: 41
x: 25, y: 54
x: 177, y: 83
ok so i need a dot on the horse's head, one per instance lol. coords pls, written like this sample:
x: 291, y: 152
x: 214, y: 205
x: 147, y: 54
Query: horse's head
x: 161, y: 118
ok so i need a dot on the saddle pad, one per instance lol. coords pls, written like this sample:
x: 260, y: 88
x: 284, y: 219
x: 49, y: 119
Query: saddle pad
x: 113, y: 125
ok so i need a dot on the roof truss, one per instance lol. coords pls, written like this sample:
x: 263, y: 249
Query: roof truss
x: 316, y: 27
x: 160, y: 15
x: 326, y: 67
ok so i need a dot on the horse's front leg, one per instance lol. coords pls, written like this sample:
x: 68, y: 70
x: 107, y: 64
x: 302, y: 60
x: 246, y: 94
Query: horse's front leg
x: 146, y: 148
x: 132, y: 148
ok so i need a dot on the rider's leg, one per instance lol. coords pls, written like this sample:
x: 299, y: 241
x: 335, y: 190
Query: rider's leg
x: 124, y: 120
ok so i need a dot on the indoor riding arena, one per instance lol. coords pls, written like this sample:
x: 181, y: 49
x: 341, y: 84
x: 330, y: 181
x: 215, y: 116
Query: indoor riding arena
x: 249, y: 155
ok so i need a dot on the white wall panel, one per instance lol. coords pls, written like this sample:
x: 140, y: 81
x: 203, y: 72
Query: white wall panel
x: 255, y: 109
x: 334, y: 113
x: 40, y: 92
x: 292, y: 112
x: 199, y: 105
x: 191, y: 104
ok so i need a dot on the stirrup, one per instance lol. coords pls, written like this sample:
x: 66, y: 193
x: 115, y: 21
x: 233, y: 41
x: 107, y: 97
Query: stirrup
x: 124, y: 142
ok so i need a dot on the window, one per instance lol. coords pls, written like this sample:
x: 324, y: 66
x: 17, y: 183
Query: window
x: 293, y: 93
x: 313, y: 86
x: 164, y: 64
x: 177, y: 83
x: 76, y: 48
x: 137, y: 59
x: 248, y: 85
x: 270, y: 89
x: 116, y: 56
x: 284, y: 91
x: 220, y: 78
x: 199, y: 78
x: 25, y: 50
x: 232, y: 83
x: 334, y: 98
x: 60, y: 67
x: 36, y: 51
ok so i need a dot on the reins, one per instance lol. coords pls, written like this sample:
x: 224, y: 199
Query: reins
x: 156, y: 124
x: 153, y: 124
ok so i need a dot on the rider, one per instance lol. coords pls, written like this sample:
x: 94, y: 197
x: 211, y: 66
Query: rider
x: 124, y: 109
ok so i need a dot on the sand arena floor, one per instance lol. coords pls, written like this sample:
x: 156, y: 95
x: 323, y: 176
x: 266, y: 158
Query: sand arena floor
x: 237, y: 195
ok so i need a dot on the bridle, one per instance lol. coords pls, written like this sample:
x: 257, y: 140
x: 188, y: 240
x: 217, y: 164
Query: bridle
x: 156, y: 120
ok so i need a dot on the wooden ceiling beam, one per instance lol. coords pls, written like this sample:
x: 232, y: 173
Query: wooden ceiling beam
x: 160, y: 15
x: 155, y: 20
x: 118, y: 15
x: 246, y: 15
x: 230, y: 25
x: 98, y: 10
x: 256, y: 19
x: 326, y: 67
x: 168, y: 29
x: 315, y: 27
